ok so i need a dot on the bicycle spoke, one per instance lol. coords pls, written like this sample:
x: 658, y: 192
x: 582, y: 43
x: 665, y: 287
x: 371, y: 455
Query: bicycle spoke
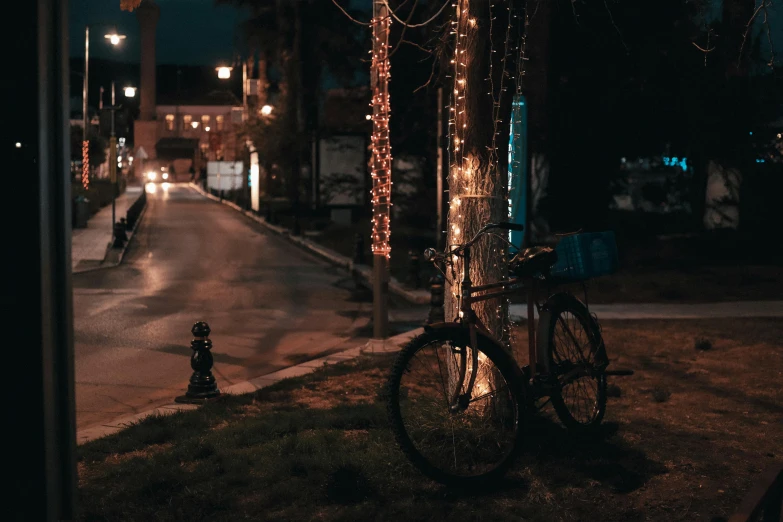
x: 466, y: 442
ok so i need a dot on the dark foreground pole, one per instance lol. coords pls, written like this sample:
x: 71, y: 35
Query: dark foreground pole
x: 36, y: 298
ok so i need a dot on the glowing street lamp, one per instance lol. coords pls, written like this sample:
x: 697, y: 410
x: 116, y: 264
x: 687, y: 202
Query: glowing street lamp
x: 194, y: 124
x: 266, y: 110
x: 130, y: 92
x: 114, y: 38
x: 224, y: 73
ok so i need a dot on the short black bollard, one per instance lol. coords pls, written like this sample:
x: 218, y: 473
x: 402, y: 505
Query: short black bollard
x: 120, y: 237
x: 202, y: 385
x: 358, y: 250
x: 414, y: 270
x: 437, y: 292
x: 125, y: 224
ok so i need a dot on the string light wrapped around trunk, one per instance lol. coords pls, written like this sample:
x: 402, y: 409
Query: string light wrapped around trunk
x: 86, y: 164
x: 483, y: 61
x: 381, y: 161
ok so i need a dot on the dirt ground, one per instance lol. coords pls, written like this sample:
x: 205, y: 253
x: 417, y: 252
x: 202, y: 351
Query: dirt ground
x: 684, y: 438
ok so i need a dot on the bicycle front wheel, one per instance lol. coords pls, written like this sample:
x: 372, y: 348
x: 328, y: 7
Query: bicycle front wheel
x: 456, y: 444
x: 577, y: 362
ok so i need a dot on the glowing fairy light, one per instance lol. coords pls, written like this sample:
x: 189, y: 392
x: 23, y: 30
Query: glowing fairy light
x: 477, y: 186
x: 86, y: 164
x: 381, y: 161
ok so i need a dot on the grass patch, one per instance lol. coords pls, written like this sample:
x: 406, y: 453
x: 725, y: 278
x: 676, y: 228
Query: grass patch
x: 702, y: 344
x: 661, y: 394
x: 319, y: 447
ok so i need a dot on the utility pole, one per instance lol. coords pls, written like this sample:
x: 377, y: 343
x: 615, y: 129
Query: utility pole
x: 37, y: 299
x: 85, y: 116
x: 295, y: 92
x: 381, y: 168
x: 113, y: 161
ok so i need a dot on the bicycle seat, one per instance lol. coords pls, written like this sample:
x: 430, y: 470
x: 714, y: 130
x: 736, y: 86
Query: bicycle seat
x: 532, y: 260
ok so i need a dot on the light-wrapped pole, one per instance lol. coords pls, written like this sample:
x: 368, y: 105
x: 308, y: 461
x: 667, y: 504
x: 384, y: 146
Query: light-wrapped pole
x: 380, y: 165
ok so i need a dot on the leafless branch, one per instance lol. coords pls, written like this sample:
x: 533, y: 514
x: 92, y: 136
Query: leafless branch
x: 354, y: 20
x: 748, y: 27
x: 765, y: 22
x: 404, y: 26
x: 611, y: 19
x: 702, y: 49
x: 414, y: 44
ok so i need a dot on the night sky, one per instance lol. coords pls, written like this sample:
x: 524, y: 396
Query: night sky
x: 190, y: 32
x: 197, y: 32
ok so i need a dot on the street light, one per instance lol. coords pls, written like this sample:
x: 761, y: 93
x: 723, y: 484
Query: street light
x: 114, y: 39
x: 266, y: 110
x: 224, y: 73
x: 130, y: 92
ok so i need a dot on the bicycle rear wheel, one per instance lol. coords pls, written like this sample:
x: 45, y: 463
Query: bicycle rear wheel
x: 577, y: 362
x: 463, y: 445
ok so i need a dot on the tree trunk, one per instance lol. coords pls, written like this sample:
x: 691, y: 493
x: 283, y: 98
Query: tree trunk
x: 478, y: 177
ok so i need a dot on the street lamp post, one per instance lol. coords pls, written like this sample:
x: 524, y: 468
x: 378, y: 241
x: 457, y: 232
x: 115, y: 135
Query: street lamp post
x: 130, y: 92
x: 224, y: 73
x: 114, y: 39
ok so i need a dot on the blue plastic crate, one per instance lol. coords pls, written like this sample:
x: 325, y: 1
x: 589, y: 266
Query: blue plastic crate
x: 584, y: 256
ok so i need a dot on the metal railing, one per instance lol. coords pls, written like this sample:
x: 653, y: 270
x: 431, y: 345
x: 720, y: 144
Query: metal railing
x: 134, y: 211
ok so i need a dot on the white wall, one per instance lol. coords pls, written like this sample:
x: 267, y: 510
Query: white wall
x: 342, y: 157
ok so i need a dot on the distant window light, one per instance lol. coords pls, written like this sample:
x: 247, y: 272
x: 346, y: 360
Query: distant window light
x: 169, y: 122
x: 205, y: 120
x: 219, y: 122
x: 186, y: 120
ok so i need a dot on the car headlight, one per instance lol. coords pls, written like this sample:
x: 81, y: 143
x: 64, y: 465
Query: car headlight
x: 151, y: 175
x: 165, y: 175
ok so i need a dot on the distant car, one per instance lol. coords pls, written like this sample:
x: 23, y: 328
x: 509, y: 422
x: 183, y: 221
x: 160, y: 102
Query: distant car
x: 154, y: 176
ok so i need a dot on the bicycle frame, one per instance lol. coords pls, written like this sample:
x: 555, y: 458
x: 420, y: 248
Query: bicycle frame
x: 470, y: 294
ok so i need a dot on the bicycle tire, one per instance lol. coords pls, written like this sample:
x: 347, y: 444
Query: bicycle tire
x: 552, y: 316
x: 402, y: 430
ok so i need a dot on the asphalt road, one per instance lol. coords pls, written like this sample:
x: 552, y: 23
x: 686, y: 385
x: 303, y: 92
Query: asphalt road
x: 269, y: 304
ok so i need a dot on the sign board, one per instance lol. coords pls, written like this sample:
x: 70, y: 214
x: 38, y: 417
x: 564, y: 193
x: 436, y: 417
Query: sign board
x: 343, y: 165
x: 225, y: 175
x: 517, y: 167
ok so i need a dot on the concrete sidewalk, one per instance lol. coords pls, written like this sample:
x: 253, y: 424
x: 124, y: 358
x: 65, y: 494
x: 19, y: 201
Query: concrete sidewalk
x: 390, y: 345
x: 675, y: 310
x: 636, y: 311
x: 89, y: 245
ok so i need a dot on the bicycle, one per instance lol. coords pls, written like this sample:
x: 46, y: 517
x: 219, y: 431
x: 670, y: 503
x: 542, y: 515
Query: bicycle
x: 457, y: 398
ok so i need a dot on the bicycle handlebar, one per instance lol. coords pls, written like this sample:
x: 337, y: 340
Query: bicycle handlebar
x: 432, y: 255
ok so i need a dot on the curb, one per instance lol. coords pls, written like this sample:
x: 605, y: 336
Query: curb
x: 363, y: 271
x: 390, y: 345
x: 109, y: 248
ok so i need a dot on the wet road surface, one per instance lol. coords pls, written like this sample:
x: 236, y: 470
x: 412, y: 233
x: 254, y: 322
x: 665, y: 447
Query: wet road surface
x: 269, y: 304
